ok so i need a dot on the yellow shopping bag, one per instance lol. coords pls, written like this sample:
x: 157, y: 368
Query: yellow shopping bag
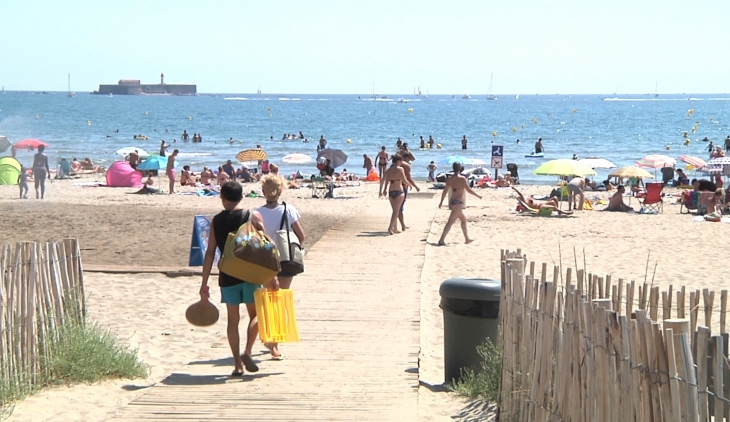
x: 275, y: 311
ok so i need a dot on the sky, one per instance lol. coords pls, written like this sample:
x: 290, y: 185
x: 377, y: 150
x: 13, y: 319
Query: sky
x: 360, y: 46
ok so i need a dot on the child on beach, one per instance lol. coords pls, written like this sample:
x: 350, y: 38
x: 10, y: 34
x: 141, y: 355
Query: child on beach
x: 432, y: 172
x: 23, y: 183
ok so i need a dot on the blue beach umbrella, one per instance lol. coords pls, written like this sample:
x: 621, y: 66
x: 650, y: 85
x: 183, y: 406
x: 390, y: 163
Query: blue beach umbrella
x: 154, y: 163
x: 451, y: 159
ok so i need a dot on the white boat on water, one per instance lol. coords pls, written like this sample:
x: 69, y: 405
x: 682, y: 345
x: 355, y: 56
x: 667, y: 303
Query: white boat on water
x: 402, y: 100
x: 466, y: 97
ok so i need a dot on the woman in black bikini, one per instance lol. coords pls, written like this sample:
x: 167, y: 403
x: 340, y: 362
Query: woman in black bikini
x: 395, y: 180
x: 382, y: 162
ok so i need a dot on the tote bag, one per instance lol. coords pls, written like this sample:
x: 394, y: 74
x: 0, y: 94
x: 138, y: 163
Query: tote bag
x: 249, y: 255
x: 290, y: 248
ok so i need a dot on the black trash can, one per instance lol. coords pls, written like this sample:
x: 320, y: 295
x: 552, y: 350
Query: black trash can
x: 471, y: 315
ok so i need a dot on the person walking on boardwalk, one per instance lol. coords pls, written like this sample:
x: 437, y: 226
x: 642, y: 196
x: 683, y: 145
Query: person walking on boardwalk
x: 406, y: 165
x: 272, y: 214
x: 395, y: 182
x: 458, y: 187
x: 234, y: 291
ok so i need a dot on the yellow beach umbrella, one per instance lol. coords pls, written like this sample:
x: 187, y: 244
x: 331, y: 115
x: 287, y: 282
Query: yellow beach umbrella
x: 251, y: 155
x: 564, y: 167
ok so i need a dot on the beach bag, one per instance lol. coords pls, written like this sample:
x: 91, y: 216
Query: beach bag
x: 249, y: 255
x: 290, y: 249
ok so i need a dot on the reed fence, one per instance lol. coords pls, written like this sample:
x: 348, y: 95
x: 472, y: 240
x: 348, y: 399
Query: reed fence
x: 582, y: 347
x: 41, y: 288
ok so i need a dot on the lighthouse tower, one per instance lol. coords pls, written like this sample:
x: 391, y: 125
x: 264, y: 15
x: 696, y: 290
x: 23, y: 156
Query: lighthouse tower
x: 162, y: 79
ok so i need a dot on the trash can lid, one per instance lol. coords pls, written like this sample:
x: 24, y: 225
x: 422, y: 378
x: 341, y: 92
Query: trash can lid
x: 485, y: 289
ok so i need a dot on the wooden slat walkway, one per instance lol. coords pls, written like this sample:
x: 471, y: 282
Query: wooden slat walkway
x: 359, y: 325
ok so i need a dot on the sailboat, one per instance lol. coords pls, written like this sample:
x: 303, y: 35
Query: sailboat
x: 490, y: 96
x: 70, y: 94
x: 258, y: 91
x: 656, y: 85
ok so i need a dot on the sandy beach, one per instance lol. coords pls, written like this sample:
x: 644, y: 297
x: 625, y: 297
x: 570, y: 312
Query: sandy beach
x: 115, y: 227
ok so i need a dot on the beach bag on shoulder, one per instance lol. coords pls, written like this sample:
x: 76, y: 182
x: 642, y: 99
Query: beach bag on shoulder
x: 249, y: 255
x: 290, y: 247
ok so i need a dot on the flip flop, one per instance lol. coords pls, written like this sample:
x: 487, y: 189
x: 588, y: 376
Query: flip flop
x: 236, y: 374
x: 248, y: 363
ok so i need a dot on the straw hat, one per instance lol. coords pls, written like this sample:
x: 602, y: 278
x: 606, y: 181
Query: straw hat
x: 202, y: 314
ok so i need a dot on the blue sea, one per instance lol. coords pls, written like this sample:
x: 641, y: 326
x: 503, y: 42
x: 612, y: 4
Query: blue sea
x: 619, y: 128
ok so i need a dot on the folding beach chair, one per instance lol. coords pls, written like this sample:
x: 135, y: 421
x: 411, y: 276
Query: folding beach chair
x: 653, y: 198
x: 319, y: 187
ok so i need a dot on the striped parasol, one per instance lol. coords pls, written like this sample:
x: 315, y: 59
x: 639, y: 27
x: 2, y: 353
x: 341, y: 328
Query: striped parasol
x: 695, y: 162
x: 251, y: 155
x: 718, y: 165
x: 656, y: 161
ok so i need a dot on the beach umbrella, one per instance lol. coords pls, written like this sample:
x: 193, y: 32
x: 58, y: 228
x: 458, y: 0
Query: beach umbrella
x: 128, y: 150
x: 29, y: 144
x: 4, y: 144
x: 564, y: 167
x: 251, y: 155
x: 718, y: 165
x: 631, y: 171
x: 296, y: 158
x: 695, y: 162
x: 597, y: 163
x: 336, y: 156
x: 451, y: 159
x: 656, y: 161
x: 155, y: 162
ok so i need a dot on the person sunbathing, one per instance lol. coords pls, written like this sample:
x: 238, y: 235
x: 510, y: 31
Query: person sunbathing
x: 206, y: 175
x: 551, y: 204
x: 186, y: 178
x: 617, y: 201
x: 502, y: 182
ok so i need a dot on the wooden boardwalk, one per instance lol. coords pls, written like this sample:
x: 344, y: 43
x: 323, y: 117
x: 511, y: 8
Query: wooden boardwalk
x: 359, y: 325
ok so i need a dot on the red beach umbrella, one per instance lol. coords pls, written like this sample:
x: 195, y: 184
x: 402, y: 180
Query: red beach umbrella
x: 656, y: 161
x: 29, y: 144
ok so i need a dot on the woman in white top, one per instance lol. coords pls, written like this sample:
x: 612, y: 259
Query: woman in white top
x: 272, y: 186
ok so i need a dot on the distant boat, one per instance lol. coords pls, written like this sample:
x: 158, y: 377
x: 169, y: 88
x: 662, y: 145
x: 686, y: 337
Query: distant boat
x: 402, y: 100
x: 489, y: 92
x: 111, y: 95
x: 517, y: 97
x: 378, y: 97
x: 70, y: 94
x: 465, y: 97
x: 656, y: 94
x: 258, y: 91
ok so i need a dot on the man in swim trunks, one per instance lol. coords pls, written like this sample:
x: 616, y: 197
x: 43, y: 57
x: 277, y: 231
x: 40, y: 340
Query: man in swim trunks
x: 463, y: 142
x: 406, y: 165
x: 617, y: 201
x: 458, y: 186
x: 170, y: 172
x: 430, y: 141
x: 40, y: 171
x: 538, y: 146
x: 367, y: 164
x: 163, y: 148
x: 398, y: 144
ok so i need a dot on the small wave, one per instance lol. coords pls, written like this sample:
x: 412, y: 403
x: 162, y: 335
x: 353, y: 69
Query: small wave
x: 236, y: 99
x: 194, y: 154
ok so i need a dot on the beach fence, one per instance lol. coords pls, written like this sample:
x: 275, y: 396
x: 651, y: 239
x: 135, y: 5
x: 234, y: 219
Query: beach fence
x: 41, y: 288
x: 583, y: 347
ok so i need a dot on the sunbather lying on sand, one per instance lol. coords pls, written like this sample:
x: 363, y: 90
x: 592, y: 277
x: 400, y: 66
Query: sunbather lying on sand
x: 551, y: 204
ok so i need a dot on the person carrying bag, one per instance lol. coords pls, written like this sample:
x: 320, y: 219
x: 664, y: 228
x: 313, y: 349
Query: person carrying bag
x: 281, y: 223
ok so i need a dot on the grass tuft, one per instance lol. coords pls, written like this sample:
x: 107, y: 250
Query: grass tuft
x: 484, y: 382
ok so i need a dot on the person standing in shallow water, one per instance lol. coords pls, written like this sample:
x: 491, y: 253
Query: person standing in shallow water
x: 40, y: 172
x: 539, y: 149
x: 459, y: 187
x: 463, y: 142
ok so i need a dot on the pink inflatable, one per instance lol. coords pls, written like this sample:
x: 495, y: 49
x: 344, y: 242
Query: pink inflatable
x: 122, y: 175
